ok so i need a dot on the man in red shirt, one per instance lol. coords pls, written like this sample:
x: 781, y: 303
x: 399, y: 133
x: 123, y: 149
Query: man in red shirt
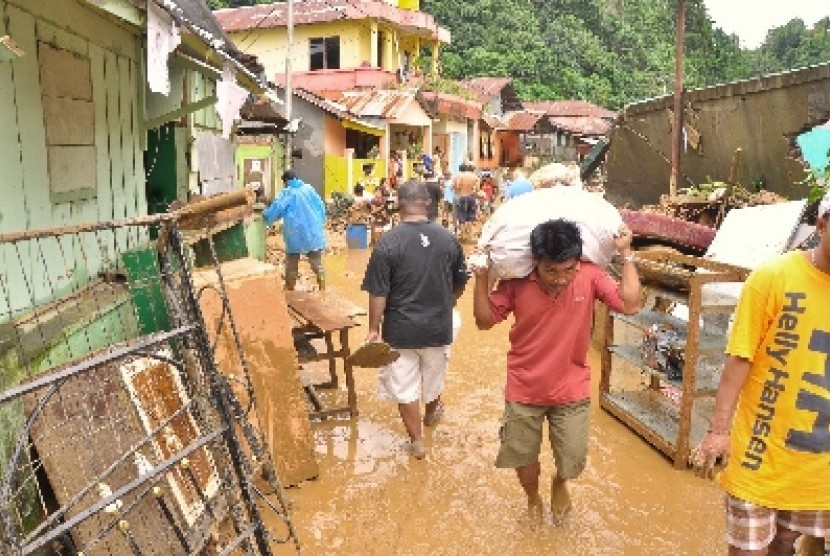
x: 547, y: 369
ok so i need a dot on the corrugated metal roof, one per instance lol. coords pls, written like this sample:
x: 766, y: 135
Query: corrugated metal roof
x: 524, y: 121
x: 493, y: 122
x: 443, y: 103
x: 377, y: 103
x: 570, y: 108
x: 264, y: 16
x: 581, y: 125
x: 488, y: 86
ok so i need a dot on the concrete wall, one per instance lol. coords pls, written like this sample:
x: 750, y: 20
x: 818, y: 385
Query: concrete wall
x: 759, y: 116
x: 310, y: 138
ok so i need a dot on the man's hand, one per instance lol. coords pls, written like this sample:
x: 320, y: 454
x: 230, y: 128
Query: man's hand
x: 479, y: 264
x: 713, y: 450
x: 622, y: 240
x: 373, y: 336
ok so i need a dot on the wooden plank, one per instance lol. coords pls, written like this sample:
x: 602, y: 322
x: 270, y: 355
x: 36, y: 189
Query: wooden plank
x: 63, y: 73
x: 125, y: 117
x: 102, y: 146
x: 116, y: 172
x: 83, y: 22
x: 138, y: 132
x: 261, y: 318
x: 69, y: 121
x: 48, y: 33
x: 72, y: 168
x: 14, y: 215
x: 35, y: 185
x: 83, y: 430
x: 311, y: 306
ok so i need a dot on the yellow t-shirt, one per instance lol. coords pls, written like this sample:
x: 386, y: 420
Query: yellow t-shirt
x: 780, y: 443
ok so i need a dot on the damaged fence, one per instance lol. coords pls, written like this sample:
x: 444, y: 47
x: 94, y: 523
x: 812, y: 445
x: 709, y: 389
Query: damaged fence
x: 118, y: 433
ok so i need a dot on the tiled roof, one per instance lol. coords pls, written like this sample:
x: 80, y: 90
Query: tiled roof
x: 265, y: 16
x: 377, y: 103
x: 443, y: 103
x: 524, y: 121
x: 488, y: 86
x: 570, y: 108
x: 581, y: 125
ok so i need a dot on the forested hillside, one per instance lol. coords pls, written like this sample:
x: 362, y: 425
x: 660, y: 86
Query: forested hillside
x: 609, y: 52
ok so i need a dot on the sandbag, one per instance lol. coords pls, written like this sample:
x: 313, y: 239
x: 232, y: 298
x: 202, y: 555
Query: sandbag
x: 506, y: 234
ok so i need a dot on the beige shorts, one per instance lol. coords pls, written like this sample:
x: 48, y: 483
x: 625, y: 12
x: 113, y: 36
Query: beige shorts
x: 752, y: 527
x: 417, y: 374
x: 521, y: 435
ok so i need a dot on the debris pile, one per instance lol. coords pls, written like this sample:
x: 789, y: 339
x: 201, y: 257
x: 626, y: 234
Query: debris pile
x: 708, y: 203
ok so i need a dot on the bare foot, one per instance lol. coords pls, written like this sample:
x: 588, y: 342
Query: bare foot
x: 535, y: 509
x: 560, y: 499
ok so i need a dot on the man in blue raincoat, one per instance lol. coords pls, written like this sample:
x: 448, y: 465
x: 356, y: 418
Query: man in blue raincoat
x: 304, y: 215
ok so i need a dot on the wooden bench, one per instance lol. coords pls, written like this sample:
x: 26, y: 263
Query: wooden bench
x: 322, y: 315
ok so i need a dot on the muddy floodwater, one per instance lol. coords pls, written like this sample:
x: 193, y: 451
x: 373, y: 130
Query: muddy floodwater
x: 372, y: 498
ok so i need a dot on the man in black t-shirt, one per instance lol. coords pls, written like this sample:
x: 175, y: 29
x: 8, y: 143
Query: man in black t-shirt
x: 415, y: 274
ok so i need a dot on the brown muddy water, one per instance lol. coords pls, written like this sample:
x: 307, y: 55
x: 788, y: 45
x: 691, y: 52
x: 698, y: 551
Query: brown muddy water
x: 373, y: 499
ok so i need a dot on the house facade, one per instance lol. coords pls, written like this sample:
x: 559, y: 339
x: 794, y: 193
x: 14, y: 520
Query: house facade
x: 578, y: 125
x: 355, y: 68
x: 339, y: 44
x: 84, y: 137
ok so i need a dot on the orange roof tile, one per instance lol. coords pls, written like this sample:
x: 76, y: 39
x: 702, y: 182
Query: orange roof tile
x: 570, y: 108
x: 524, y: 121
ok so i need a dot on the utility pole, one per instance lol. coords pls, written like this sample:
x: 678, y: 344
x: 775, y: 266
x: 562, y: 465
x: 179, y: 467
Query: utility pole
x: 289, y: 92
x: 677, y: 124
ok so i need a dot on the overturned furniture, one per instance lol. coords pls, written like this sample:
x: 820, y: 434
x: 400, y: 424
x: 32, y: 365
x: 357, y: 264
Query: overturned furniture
x: 118, y: 435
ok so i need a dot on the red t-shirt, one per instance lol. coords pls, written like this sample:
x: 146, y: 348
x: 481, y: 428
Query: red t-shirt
x: 547, y: 362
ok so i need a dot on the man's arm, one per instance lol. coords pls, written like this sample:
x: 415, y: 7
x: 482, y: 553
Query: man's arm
x: 630, y: 282
x: 481, y: 300
x: 277, y: 209
x: 715, y: 443
x: 377, y: 306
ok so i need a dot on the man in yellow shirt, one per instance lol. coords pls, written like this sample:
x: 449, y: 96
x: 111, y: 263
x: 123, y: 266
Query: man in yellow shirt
x: 772, y: 409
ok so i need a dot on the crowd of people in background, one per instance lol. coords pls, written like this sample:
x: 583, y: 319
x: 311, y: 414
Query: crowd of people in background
x: 459, y: 199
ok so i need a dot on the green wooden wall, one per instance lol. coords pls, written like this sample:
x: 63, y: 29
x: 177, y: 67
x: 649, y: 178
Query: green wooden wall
x: 114, y: 56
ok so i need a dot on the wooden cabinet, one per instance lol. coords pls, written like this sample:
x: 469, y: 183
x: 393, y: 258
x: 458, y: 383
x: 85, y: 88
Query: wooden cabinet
x: 669, y: 412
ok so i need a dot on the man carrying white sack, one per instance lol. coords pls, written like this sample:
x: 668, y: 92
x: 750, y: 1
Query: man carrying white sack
x: 548, y: 376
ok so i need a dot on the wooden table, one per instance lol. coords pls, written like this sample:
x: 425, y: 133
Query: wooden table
x: 321, y: 315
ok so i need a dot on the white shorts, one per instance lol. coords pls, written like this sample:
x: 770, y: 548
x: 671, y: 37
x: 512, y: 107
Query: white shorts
x: 418, y: 373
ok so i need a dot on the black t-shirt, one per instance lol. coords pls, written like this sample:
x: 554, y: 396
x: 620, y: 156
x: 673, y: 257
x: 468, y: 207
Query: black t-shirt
x: 416, y: 266
x: 435, y: 196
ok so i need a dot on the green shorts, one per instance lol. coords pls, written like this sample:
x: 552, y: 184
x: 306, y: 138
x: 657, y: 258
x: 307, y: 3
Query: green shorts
x: 521, y: 435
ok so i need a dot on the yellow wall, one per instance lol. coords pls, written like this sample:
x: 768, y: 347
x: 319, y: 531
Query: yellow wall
x: 269, y: 45
x: 336, y: 174
x: 356, y: 45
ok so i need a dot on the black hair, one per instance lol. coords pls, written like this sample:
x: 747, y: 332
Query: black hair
x: 556, y: 241
x: 412, y: 190
x: 288, y: 175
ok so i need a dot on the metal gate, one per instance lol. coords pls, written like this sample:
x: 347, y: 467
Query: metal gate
x: 118, y: 434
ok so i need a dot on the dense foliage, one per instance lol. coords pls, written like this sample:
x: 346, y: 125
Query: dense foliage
x: 609, y: 52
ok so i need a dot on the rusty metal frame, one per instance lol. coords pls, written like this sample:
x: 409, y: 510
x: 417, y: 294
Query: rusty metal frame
x: 212, y: 404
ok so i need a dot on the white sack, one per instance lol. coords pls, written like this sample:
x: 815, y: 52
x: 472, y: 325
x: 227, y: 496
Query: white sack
x: 506, y: 234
